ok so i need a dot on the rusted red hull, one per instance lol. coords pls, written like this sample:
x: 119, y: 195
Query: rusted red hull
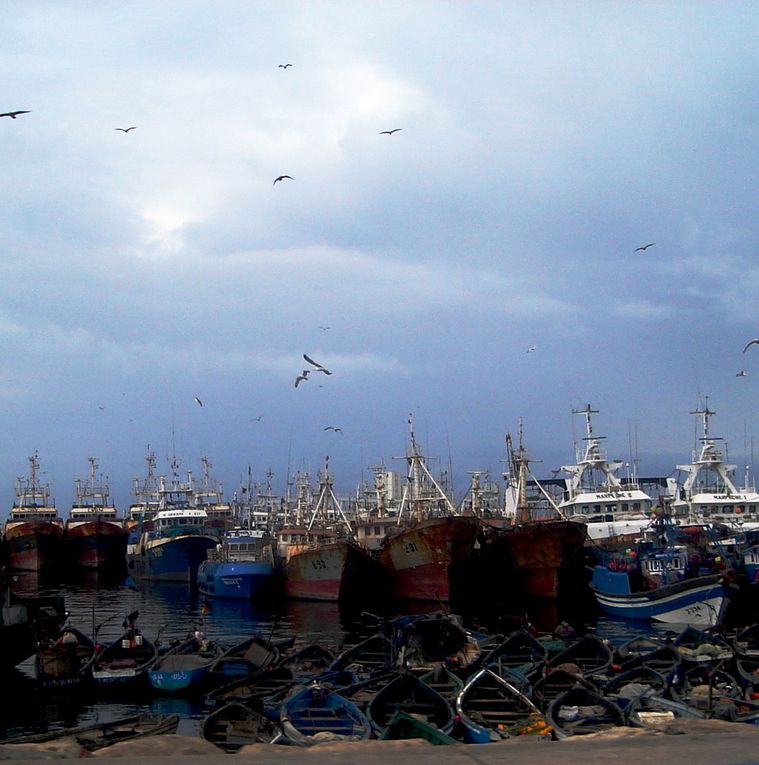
x: 97, y: 544
x: 336, y: 571
x: 33, y: 545
x: 422, y: 559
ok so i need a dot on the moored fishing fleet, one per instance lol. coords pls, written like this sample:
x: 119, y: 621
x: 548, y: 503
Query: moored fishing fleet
x: 528, y: 547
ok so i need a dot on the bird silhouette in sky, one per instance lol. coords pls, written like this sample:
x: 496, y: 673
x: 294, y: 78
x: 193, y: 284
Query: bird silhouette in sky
x: 323, y: 327
x: 282, y: 178
x: 755, y: 341
x: 332, y: 427
x: 319, y: 367
x: 257, y: 419
x: 302, y: 376
x: 742, y: 373
x: 644, y: 247
x: 284, y: 66
x: 198, y: 401
x: 531, y: 348
x: 389, y: 132
x: 126, y: 130
x: 15, y: 114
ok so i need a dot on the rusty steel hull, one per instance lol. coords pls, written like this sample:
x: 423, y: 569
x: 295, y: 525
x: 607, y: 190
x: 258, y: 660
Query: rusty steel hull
x: 334, y: 571
x: 34, y: 545
x: 422, y: 559
x: 96, y: 544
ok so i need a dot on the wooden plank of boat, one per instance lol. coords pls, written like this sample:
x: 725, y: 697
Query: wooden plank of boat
x: 102, y: 734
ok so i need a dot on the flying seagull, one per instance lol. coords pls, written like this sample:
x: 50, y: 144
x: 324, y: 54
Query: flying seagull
x: 257, y: 419
x: 331, y: 427
x: 13, y: 115
x: 284, y: 66
x: 302, y: 376
x: 742, y: 373
x: 198, y: 401
x: 323, y: 327
x: 126, y: 130
x: 318, y: 366
x: 282, y: 178
x: 645, y: 247
x: 750, y: 343
x: 389, y: 132
x: 531, y: 348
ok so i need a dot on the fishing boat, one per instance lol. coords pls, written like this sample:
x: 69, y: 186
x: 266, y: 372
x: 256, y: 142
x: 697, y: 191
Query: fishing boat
x: 589, y: 654
x: 580, y: 711
x: 424, y: 640
x: 268, y: 686
x: 171, y: 545
x: 185, y: 667
x: 702, y: 647
x: 125, y: 662
x: 657, y: 712
x: 102, y: 734
x: 613, y: 508
x: 235, y: 725
x: 25, y: 621
x: 246, y: 657
x: 94, y: 532
x: 549, y: 685
x: 241, y: 567
x: 708, y: 494
x: 490, y: 708
x: 444, y: 681
x: 520, y: 649
x: 405, y: 726
x: 372, y: 656
x: 329, y: 565
x: 626, y: 686
x: 317, y: 709
x: 657, y: 581
x: 33, y: 532
x: 412, y: 695
x: 537, y: 559
x: 208, y: 495
x: 432, y: 540
x: 65, y: 661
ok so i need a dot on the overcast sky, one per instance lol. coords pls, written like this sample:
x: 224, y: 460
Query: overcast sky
x: 541, y: 143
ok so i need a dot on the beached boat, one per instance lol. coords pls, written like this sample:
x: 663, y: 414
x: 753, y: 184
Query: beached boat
x: 372, y: 656
x: 25, y: 622
x: 65, y: 661
x: 245, y: 658
x: 580, y: 711
x: 317, y: 709
x: 185, y: 667
x: 626, y: 686
x: 235, y: 725
x: 125, y: 662
x: 102, y: 734
x: 432, y: 542
x: 657, y: 712
x: 33, y: 533
x: 446, y: 683
x: 241, y: 567
x: 412, y: 695
x: 424, y: 640
x: 172, y: 544
x: 490, y: 708
x: 590, y: 655
x: 519, y: 650
x: 699, y: 647
x: 95, y: 534
x: 405, y: 726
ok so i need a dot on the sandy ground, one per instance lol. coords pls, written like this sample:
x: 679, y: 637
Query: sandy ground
x: 685, y: 743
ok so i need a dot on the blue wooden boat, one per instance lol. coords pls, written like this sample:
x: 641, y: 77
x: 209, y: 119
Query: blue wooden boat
x: 244, y: 658
x: 240, y: 568
x: 125, y: 662
x: 185, y: 667
x: 235, y: 725
x: 317, y: 709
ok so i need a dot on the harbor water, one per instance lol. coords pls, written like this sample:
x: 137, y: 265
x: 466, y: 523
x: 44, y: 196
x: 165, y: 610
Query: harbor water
x: 98, y: 604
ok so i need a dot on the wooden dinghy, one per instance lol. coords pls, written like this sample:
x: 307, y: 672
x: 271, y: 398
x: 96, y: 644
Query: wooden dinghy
x: 409, y: 693
x: 702, y: 647
x: 244, y: 658
x: 185, y: 667
x: 65, y: 661
x: 235, y: 725
x: 589, y: 654
x: 656, y: 712
x: 445, y: 682
x: 626, y: 686
x: 405, y: 726
x: 264, y: 685
x: 125, y: 662
x: 664, y: 659
x: 580, y: 711
x: 99, y: 735
x: 490, y: 708
x: 520, y: 650
x: 317, y: 713
x: 374, y: 655
x: 553, y: 683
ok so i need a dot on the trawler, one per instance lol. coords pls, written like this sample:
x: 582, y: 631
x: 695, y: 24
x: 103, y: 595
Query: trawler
x: 613, y: 509
x: 431, y: 539
x: 34, y: 531
x: 708, y: 494
x: 95, y: 534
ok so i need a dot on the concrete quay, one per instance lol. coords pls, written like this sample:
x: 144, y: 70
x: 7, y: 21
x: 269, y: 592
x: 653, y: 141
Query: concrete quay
x: 693, y: 742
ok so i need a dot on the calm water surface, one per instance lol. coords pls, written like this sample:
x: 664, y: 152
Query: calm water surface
x: 98, y: 605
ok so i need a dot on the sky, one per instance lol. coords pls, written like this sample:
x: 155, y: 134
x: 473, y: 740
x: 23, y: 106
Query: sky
x: 540, y: 144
